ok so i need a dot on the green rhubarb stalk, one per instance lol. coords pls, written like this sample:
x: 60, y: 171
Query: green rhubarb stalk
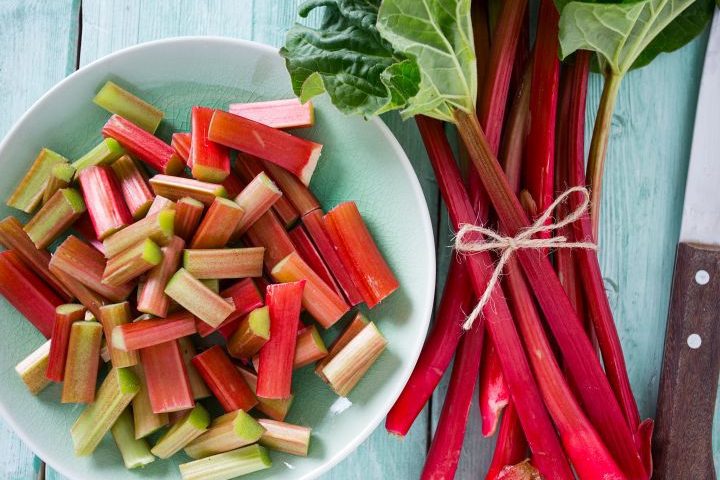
x: 193, y: 424
x: 225, y: 466
x: 32, y: 369
x: 119, y: 101
x: 81, y: 366
x: 198, y: 299
x: 112, y: 316
x: 158, y: 227
x: 60, y: 177
x: 132, y: 263
x: 29, y: 192
x: 114, y: 395
x: 104, y: 153
x: 227, y: 432
x: 252, y: 333
x: 56, y: 216
x: 135, y: 452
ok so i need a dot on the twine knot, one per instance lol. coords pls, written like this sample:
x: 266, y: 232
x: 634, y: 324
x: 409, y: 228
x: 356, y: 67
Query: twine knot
x: 483, y: 239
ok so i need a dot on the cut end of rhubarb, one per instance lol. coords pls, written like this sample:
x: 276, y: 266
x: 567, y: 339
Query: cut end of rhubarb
x: 309, y: 168
x: 74, y: 199
x: 151, y: 252
x: 246, y: 427
x: 166, y: 220
x: 259, y: 320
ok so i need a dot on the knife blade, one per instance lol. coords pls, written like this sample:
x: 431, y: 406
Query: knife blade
x: 682, y: 443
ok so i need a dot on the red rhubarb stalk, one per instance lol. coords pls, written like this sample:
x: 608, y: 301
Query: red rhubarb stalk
x: 510, y: 446
x: 524, y: 391
x: 27, y: 293
x: 167, y: 379
x: 309, y: 253
x: 289, y: 113
x: 143, y: 146
x: 223, y: 378
x: 218, y: 224
x: 277, y: 355
x: 493, y: 394
x: 269, y: 233
x: 252, y: 333
x: 245, y: 297
x: 209, y: 161
x: 147, y: 333
x: 65, y: 316
x: 85, y: 228
x: 181, y: 144
x: 255, y: 199
x: 293, y: 189
x: 436, y: 353
x: 104, y: 200
x: 134, y: 186
x: 295, y: 154
x: 151, y: 291
x: 233, y: 184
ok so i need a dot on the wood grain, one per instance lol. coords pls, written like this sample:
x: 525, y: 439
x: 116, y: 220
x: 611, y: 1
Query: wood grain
x: 39, y: 42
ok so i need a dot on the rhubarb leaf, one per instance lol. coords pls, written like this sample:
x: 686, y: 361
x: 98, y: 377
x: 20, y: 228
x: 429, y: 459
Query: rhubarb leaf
x: 347, y: 58
x: 438, y: 35
x: 620, y: 32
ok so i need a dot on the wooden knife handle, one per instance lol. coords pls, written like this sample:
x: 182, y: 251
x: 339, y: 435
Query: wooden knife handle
x: 682, y: 443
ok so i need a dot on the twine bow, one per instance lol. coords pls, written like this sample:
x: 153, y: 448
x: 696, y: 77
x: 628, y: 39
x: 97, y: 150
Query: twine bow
x: 524, y: 240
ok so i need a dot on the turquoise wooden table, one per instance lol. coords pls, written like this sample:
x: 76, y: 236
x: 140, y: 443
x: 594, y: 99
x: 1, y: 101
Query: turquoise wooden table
x: 42, y: 41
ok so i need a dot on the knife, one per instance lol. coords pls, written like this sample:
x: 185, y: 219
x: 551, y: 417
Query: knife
x: 682, y: 443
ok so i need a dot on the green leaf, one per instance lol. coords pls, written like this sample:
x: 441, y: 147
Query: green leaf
x: 437, y: 34
x: 620, y: 33
x: 348, y: 58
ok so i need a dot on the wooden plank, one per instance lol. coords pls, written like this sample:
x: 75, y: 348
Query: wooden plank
x: 40, y: 41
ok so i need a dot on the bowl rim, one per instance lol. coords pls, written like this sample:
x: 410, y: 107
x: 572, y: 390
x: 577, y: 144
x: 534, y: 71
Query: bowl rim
x: 426, y: 226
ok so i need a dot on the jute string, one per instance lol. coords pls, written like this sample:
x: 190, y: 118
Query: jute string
x: 506, y: 246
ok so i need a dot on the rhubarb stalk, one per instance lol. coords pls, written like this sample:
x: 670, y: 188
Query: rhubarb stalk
x: 167, y: 378
x: 65, y: 316
x: 55, y: 216
x: 224, y: 380
x: 285, y: 437
x: 198, y: 299
x: 116, y: 99
x: 248, y: 168
x: 145, y: 420
x: 218, y: 224
x: 290, y: 113
x: 245, y: 297
x: 135, y: 451
x: 255, y: 199
x: 151, y: 291
x: 227, y: 432
x: 28, y: 194
x: 32, y: 369
x: 190, y: 426
x: 127, y: 337
x: 134, y: 186
x: 83, y: 359
x: 224, y: 263
x: 252, y: 333
x: 209, y: 161
x: 104, y: 200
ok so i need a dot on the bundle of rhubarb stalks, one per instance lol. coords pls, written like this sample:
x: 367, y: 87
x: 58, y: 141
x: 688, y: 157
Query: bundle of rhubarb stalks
x: 552, y: 377
x: 157, y: 265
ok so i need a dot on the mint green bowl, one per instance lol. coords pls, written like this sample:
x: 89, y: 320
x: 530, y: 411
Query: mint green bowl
x: 361, y: 161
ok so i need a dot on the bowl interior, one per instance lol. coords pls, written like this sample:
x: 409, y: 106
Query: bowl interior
x: 361, y: 161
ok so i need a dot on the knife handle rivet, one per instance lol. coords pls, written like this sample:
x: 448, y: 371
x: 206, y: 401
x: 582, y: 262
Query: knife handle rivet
x: 694, y: 341
x: 702, y: 277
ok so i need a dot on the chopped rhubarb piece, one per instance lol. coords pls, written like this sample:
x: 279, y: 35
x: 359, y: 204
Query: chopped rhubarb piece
x: 167, y: 378
x: 190, y: 426
x: 245, y: 297
x: 227, y: 432
x: 209, y: 161
x: 134, y: 186
x: 176, y: 188
x: 151, y: 291
x: 277, y: 409
x: 293, y: 189
x: 269, y: 233
x: 318, y: 298
x: 85, y: 228
x: 90, y: 299
x: 111, y: 317
x: 132, y: 263
x: 197, y: 385
x: 158, y: 227
x: 277, y: 355
x: 255, y: 199
x: 285, y: 437
x: 252, y: 333
x: 104, y: 153
x: 146, y: 333
x: 32, y: 369
x: 119, y: 101
x: 188, y: 213
x: 104, y: 201
x: 83, y: 360
x: 113, y: 397
x: 160, y: 203
x: 181, y: 143
x: 233, y: 185
x: 146, y: 421
x: 143, y: 145
x: 313, y: 223
x: 55, y: 217
x: 309, y: 347
x: 224, y: 262
x: 349, y: 365
x: 198, y: 299
x: 248, y: 168
x: 135, y: 452
x: 224, y: 466
x: 307, y: 251
x: 27, y: 293
x: 351, y: 330
x: 218, y: 224
x: 224, y: 380
x: 288, y: 113
x: 295, y: 154
x: 61, y: 176
x: 360, y: 254
x: 29, y: 192
x: 65, y: 316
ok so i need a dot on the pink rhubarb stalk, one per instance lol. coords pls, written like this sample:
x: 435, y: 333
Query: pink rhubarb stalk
x: 167, y: 379
x: 147, y: 333
x: 133, y: 183
x: 65, y: 316
x: 151, y: 291
x: 288, y: 113
x: 209, y: 161
x: 248, y: 168
x: 104, y: 200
